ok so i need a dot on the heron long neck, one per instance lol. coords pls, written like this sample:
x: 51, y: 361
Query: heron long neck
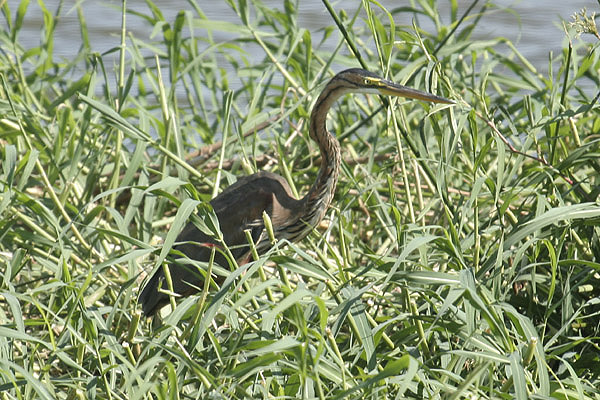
x: 321, y: 193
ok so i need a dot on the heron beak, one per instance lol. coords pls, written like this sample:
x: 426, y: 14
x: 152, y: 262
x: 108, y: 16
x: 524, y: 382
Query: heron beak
x: 391, y: 89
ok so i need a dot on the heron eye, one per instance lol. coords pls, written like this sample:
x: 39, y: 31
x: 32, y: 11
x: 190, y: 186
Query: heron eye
x: 367, y: 81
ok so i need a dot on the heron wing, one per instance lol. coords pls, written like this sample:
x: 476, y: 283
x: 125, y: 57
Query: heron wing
x: 238, y: 208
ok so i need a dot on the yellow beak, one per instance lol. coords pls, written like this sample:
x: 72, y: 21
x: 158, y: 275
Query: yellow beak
x: 392, y: 89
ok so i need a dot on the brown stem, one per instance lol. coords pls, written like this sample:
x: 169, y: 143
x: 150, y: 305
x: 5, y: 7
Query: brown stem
x: 512, y: 149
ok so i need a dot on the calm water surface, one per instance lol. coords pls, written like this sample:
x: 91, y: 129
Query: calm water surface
x: 535, y: 26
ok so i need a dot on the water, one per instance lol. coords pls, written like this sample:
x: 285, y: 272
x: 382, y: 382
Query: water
x: 535, y: 26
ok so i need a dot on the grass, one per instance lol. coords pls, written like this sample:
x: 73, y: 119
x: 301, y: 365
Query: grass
x: 460, y: 258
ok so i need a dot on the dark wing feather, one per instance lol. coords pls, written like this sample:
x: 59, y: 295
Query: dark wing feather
x: 237, y: 208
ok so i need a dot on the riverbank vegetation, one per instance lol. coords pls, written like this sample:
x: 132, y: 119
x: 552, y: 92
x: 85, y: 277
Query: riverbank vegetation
x: 458, y: 259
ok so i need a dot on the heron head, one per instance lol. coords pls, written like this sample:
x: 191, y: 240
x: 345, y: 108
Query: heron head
x: 362, y: 81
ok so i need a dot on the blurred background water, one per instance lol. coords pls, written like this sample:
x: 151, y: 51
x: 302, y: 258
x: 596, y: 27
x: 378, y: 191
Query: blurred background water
x: 534, y: 26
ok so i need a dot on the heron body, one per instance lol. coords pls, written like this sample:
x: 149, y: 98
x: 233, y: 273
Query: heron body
x: 240, y: 207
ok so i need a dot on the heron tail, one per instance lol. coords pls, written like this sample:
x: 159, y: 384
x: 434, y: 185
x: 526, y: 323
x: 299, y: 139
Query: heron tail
x: 150, y: 298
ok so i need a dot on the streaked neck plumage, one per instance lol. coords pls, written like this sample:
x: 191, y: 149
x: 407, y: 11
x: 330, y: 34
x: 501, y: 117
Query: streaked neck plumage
x: 319, y: 197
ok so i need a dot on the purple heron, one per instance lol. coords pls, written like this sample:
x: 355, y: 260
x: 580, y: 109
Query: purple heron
x: 240, y: 206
